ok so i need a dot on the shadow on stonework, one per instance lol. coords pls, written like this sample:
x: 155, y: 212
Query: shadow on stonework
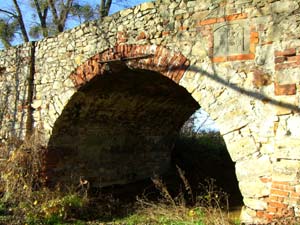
x: 118, y: 128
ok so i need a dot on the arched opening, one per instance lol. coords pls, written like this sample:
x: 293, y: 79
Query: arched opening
x: 122, y: 124
x: 118, y: 128
x: 201, y: 152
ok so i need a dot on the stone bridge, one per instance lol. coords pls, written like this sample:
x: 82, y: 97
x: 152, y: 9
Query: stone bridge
x: 108, y: 97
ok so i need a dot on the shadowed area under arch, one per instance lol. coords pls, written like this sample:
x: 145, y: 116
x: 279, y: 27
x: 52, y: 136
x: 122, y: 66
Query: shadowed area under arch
x: 118, y: 128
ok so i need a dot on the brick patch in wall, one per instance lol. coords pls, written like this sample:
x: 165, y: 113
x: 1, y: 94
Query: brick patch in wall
x: 233, y: 58
x: 280, y: 202
x: 166, y: 33
x: 254, y: 39
x: 284, y: 89
x: 280, y: 199
x: 228, y: 18
x: 142, y: 35
x: 286, y: 52
x: 285, y: 60
x: 283, y: 66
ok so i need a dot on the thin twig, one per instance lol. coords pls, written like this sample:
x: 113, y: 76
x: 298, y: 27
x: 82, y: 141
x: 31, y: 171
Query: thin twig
x: 127, y: 58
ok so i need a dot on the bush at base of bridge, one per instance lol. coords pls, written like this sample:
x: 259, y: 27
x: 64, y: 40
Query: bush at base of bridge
x: 26, y: 199
x: 53, y: 207
x: 21, y: 175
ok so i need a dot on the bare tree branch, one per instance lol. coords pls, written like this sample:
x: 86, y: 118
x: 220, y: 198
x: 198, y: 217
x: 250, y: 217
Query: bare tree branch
x: 60, y: 20
x: 9, y: 13
x: 54, y: 13
x: 104, y: 8
x: 21, y: 21
x: 42, y: 17
x: 64, y: 13
x: 5, y: 42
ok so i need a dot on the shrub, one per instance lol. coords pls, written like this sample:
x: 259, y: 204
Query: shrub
x: 26, y: 194
x: 22, y: 172
x: 53, y: 209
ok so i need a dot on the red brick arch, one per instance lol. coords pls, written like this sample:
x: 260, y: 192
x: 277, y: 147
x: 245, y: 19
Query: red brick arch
x: 149, y: 57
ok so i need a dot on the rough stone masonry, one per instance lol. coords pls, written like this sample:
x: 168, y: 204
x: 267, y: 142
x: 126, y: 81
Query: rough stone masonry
x: 109, y: 96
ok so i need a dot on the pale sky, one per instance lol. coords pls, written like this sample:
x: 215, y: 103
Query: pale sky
x: 117, y: 5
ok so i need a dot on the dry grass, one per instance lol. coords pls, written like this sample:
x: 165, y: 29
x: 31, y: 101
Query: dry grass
x: 209, y: 208
x: 26, y: 198
x: 30, y: 202
x: 22, y: 172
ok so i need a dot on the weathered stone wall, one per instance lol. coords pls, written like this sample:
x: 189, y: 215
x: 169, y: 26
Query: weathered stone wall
x: 239, y: 59
x: 14, y: 82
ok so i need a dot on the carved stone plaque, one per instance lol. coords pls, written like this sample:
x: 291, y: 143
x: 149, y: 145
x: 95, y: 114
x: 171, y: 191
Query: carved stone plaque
x: 231, y: 39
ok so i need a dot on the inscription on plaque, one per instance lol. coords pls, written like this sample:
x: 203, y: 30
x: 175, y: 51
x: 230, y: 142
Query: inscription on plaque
x: 231, y: 39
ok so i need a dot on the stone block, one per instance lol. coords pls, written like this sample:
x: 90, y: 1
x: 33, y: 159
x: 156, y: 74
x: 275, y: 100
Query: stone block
x: 266, y: 127
x: 293, y: 126
x: 284, y: 6
x: 256, y: 204
x: 287, y: 148
x: 280, y: 110
x: 241, y: 148
x: 248, y: 216
x: 267, y: 148
x: 286, y: 170
x: 254, y: 188
x: 253, y: 168
x: 261, y: 78
x: 288, y: 76
x: 198, y: 50
x: 36, y: 104
x: 125, y: 12
x: 146, y: 6
x: 230, y: 121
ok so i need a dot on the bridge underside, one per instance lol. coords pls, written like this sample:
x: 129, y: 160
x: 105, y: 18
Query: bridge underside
x: 118, y: 128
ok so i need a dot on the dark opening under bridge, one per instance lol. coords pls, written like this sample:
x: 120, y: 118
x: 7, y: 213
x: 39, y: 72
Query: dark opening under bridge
x: 109, y: 96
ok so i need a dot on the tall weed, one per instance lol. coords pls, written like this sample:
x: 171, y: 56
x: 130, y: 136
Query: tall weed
x: 209, y: 208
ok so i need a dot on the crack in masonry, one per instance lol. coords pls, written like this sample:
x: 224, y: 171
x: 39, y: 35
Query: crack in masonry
x: 30, y: 90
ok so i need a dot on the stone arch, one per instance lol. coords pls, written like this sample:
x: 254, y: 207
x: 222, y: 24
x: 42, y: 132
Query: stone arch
x: 157, y: 62
x: 148, y: 57
x: 129, y: 105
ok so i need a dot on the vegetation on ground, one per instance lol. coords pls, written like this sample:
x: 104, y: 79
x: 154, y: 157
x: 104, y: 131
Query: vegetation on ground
x: 26, y: 201
x: 209, y: 208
